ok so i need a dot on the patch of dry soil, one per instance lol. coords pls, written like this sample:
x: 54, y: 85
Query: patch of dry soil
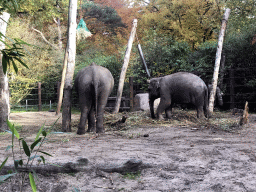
x: 176, y: 158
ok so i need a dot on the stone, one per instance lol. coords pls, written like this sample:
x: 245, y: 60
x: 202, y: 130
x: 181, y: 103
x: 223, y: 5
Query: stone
x: 141, y: 102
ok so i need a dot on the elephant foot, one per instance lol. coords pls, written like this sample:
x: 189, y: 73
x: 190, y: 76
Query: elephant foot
x: 90, y: 130
x: 160, y: 117
x: 80, y: 131
x: 100, y: 131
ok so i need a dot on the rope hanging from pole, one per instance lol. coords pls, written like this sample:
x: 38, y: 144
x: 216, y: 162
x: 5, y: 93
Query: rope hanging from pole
x: 142, y: 57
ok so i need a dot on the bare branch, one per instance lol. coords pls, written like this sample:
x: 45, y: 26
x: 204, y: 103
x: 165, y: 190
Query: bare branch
x: 42, y: 35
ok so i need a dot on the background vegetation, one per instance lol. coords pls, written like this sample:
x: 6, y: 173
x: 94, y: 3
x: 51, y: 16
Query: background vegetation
x: 176, y: 35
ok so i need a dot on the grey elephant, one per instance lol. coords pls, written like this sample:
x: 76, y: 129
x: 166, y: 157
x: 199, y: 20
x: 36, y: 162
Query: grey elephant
x: 181, y: 87
x: 93, y: 85
x: 218, y: 96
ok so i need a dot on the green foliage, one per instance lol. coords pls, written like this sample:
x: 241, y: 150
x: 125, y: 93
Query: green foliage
x: 10, y: 6
x: 132, y: 176
x: 163, y: 56
x: 41, y: 11
x: 242, y: 14
x: 45, y: 64
x: 193, y: 21
x: 34, y: 149
x: 13, y: 53
x: 201, y: 62
x: 104, y: 14
x: 32, y: 182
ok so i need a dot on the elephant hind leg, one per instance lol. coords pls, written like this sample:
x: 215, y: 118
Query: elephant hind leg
x: 206, y: 111
x: 199, y: 111
x: 102, y: 101
x: 83, y: 119
x: 91, y: 120
x: 85, y: 107
x: 168, y: 112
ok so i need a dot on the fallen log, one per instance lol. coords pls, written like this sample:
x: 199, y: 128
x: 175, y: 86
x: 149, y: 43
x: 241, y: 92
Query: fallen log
x: 82, y: 165
x: 131, y: 165
x: 70, y: 167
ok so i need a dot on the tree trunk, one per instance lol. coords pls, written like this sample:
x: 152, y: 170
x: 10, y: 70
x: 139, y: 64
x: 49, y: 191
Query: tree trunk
x: 71, y: 51
x: 4, y: 87
x: 217, y: 60
x: 59, y: 32
x: 125, y: 65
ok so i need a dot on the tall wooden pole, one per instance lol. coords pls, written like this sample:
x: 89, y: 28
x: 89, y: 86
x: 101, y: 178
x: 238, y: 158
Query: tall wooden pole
x: 71, y: 55
x: 217, y: 60
x: 4, y: 86
x: 125, y: 65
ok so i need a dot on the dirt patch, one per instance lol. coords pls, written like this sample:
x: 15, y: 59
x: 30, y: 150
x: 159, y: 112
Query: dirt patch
x: 181, y: 154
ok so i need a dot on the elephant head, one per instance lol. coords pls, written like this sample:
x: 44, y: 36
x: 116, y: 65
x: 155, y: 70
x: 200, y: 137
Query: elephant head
x: 154, y: 93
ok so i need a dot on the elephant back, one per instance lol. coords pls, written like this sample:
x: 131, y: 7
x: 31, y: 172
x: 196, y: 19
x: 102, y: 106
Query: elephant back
x: 93, y: 82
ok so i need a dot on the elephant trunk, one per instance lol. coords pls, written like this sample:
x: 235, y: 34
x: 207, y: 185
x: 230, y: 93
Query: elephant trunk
x: 151, y: 105
x: 219, y: 96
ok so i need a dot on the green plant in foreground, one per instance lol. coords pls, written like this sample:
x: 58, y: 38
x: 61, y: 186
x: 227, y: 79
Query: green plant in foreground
x: 30, y: 151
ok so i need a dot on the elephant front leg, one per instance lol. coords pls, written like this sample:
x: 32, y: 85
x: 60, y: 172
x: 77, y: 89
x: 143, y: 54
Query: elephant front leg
x: 83, y: 119
x: 162, y: 106
x: 151, y: 105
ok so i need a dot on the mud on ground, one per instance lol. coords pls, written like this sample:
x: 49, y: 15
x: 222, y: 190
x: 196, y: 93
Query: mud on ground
x: 182, y: 154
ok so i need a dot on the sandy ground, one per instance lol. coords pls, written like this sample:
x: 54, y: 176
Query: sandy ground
x: 176, y: 158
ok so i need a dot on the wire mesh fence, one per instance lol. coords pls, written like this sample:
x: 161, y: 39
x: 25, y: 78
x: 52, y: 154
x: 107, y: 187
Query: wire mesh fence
x: 238, y: 86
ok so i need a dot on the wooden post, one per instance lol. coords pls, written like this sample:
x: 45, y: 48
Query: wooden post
x: 64, y: 71
x: 124, y: 68
x: 245, y: 118
x: 39, y: 97
x: 217, y: 60
x: 131, y: 93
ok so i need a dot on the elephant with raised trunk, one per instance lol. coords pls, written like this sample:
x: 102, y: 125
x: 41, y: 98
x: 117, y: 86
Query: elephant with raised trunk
x: 218, y: 95
x: 181, y: 87
x: 93, y: 85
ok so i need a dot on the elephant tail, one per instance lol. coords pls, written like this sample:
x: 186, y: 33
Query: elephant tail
x: 95, y: 86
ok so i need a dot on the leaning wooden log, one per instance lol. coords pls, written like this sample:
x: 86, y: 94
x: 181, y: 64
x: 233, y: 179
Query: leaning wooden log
x: 125, y: 66
x: 217, y: 60
x: 244, y: 119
